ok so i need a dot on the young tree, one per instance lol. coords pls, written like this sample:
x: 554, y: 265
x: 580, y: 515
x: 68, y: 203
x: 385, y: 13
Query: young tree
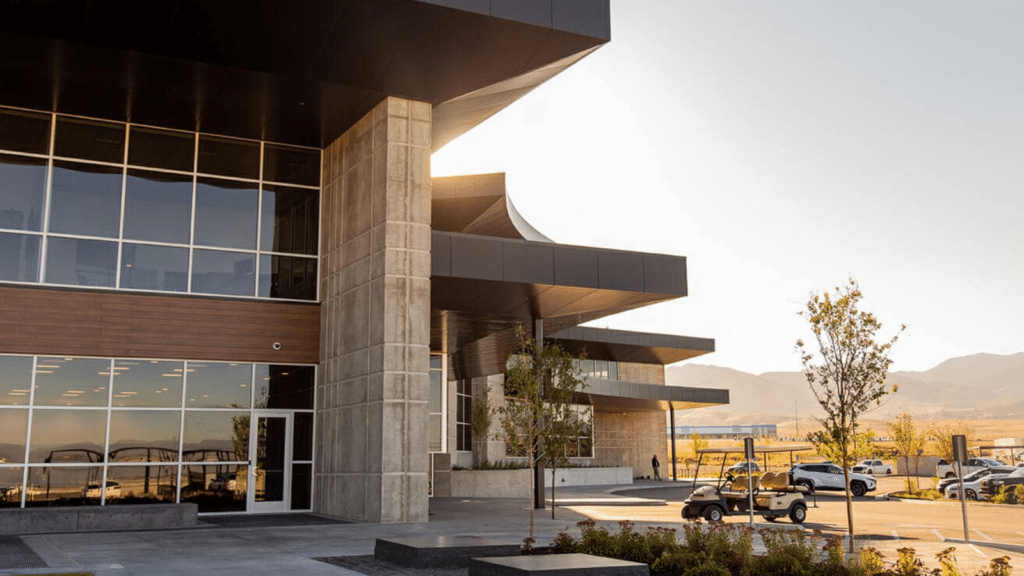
x: 943, y: 434
x: 909, y: 443
x: 698, y: 444
x: 849, y: 377
x: 538, y: 419
x: 829, y: 447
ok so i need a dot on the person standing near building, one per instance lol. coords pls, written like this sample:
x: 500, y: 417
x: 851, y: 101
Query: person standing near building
x: 656, y: 465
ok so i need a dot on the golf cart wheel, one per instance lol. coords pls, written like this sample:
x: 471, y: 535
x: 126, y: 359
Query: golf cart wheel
x: 858, y: 489
x: 970, y: 494
x: 713, y: 513
x: 798, y: 513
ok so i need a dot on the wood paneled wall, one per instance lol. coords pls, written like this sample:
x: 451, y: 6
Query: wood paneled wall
x: 123, y: 325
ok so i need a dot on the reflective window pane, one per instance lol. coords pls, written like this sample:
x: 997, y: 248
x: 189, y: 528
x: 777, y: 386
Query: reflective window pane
x: 279, y: 386
x: 218, y: 385
x: 212, y: 436
x: 63, y: 486
x: 226, y: 213
x: 302, y: 439
x: 145, y: 267
x: 158, y: 207
x: 291, y: 165
x: 302, y: 483
x: 85, y: 199
x: 144, y: 435
x: 15, y: 380
x: 435, y: 391
x: 89, y: 140
x: 227, y: 273
x: 147, y: 383
x: 287, y: 277
x: 19, y: 257
x: 142, y: 484
x: 81, y: 262
x: 13, y: 430
x: 22, y: 192
x: 215, y: 487
x: 434, y: 440
x: 161, y: 149
x: 227, y: 157
x: 67, y: 436
x: 71, y: 381
x: 290, y: 220
x: 10, y: 487
x: 24, y: 131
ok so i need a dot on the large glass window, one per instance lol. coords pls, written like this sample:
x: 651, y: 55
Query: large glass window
x: 146, y: 267
x: 81, y: 262
x: 22, y: 192
x: 227, y: 273
x: 158, y: 206
x: 464, y: 415
x: 436, y: 406
x: 85, y: 199
x: 226, y: 213
x: 19, y: 257
x: 94, y: 213
x: 138, y: 447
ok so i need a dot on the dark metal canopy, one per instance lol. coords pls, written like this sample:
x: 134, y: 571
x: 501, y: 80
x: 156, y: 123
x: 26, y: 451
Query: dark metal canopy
x: 293, y: 72
x: 613, y: 396
x: 639, y: 347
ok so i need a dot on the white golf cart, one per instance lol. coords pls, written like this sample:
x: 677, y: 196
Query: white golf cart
x: 772, y: 494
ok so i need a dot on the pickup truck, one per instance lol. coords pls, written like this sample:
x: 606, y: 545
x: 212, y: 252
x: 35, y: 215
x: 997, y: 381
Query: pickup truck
x: 946, y: 470
x: 872, y: 467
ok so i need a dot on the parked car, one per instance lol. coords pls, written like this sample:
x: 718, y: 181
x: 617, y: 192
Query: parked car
x: 975, y: 476
x: 972, y: 488
x: 830, y: 477
x: 92, y: 490
x: 872, y: 467
x: 741, y: 468
x: 990, y: 486
x: 946, y: 470
x: 223, y: 482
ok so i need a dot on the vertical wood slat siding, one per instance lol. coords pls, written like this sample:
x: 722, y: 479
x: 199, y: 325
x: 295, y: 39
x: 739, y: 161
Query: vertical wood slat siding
x: 88, y: 323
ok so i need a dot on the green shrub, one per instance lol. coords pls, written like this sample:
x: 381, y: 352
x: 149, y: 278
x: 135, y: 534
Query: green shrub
x: 872, y: 561
x: 907, y: 563
x: 1005, y: 496
x: 998, y: 567
x: 776, y: 565
x: 707, y: 568
x: 676, y: 563
x: 947, y: 562
x: 1019, y: 493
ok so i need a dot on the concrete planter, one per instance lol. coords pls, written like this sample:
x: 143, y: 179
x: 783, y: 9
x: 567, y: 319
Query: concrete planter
x: 516, y: 483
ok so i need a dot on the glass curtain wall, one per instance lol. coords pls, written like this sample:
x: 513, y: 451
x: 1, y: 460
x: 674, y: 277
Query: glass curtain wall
x: 88, y: 431
x: 92, y: 203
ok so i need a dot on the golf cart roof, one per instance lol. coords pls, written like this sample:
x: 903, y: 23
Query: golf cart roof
x: 757, y: 449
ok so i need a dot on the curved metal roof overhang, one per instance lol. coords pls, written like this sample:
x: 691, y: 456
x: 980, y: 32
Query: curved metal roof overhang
x: 625, y: 397
x: 292, y: 72
x: 483, y: 287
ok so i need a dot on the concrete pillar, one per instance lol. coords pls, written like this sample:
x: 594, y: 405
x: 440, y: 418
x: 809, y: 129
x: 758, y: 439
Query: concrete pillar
x: 375, y: 318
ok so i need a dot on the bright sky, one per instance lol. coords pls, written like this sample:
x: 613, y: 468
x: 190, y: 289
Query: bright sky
x: 783, y: 147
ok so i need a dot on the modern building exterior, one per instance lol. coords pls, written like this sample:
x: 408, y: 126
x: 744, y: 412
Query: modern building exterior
x: 227, y: 277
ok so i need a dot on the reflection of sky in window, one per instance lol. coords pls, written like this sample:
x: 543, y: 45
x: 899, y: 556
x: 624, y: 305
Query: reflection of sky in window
x: 218, y: 385
x: 57, y: 483
x: 64, y: 381
x: 147, y: 383
x: 213, y: 436
x: 144, y: 435
x: 15, y: 380
x: 73, y: 432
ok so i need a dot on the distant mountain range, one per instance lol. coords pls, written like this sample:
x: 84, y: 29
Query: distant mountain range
x: 978, y: 387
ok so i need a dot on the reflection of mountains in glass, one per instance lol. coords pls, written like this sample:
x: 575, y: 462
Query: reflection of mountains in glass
x: 12, y: 453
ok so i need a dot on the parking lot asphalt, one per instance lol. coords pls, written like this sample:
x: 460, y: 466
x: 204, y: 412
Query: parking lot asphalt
x: 271, y: 547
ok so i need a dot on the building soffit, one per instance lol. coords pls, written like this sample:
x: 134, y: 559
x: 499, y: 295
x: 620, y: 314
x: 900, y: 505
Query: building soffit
x: 291, y: 72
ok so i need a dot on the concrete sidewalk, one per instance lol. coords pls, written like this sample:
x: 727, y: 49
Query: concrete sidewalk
x: 248, y: 548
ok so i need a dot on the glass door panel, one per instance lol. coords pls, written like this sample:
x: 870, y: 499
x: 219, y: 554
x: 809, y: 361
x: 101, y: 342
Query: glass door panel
x: 270, y: 483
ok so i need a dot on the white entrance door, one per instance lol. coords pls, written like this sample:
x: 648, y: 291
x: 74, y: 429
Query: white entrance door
x: 270, y: 441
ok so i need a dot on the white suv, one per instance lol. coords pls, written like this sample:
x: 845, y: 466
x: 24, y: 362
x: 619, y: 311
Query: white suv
x: 830, y: 477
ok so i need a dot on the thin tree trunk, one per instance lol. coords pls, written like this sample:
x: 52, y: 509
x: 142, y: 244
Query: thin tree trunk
x: 849, y: 496
x: 533, y: 475
x: 553, y: 470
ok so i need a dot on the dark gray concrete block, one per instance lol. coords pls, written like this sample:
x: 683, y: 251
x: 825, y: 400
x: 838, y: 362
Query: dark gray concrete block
x: 555, y: 565
x: 440, y: 551
x: 53, y: 519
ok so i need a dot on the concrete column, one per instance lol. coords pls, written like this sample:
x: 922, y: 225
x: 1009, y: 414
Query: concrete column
x: 375, y: 318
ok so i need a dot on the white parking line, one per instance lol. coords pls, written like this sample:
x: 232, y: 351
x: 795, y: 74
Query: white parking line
x: 939, y: 534
x: 983, y: 535
x: 980, y: 553
x: 895, y: 536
